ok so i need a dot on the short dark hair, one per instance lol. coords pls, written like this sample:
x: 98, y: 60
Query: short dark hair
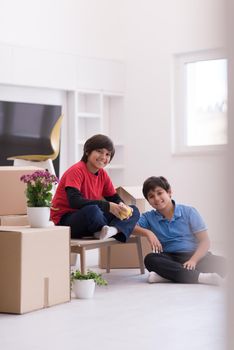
x: 97, y: 142
x: 155, y: 181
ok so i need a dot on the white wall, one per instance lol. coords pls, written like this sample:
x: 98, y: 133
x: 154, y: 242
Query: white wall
x: 85, y: 27
x: 155, y: 30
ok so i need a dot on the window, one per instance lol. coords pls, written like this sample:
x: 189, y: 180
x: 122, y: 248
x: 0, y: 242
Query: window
x: 200, y: 102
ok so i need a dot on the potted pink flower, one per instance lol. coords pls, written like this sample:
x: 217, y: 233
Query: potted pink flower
x: 39, y: 186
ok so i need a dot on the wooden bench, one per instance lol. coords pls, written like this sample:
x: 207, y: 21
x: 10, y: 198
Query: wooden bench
x: 79, y: 246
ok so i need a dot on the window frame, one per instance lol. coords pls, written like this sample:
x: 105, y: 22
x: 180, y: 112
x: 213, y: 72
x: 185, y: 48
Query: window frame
x: 179, y: 118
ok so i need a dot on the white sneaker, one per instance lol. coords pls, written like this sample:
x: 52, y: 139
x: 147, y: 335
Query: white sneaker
x: 155, y: 278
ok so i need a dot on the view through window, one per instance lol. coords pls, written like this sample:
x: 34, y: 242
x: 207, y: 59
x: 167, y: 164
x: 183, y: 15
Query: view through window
x: 206, y: 109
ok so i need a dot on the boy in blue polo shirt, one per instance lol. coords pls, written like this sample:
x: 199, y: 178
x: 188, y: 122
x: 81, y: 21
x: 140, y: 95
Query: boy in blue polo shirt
x: 179, y: 239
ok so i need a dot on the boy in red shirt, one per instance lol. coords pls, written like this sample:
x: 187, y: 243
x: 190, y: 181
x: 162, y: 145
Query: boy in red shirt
x: 86, y: 199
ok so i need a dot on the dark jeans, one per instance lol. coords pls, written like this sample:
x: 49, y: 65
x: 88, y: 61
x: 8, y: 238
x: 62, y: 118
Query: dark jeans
x: 90, y: 219
x: 170, y: 266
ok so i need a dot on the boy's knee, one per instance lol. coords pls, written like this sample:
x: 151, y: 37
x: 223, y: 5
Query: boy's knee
x: 91, y: 210
x: 148, y: 260
x: 135, y: 211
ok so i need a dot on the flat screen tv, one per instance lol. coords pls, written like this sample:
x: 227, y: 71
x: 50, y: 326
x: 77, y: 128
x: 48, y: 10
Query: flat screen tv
x: 25, y: 129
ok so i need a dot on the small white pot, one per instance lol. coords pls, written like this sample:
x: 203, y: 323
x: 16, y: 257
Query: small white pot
x: 84, y: 289
x: 39, y: 216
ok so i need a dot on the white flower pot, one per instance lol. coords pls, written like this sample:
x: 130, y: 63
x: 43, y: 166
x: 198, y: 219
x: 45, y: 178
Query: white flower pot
x: 84, y: 289
x: 39, y: 216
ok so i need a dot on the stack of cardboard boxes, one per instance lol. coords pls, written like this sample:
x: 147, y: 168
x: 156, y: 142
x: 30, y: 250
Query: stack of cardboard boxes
x: 126, y: 256
x: 34, y: 262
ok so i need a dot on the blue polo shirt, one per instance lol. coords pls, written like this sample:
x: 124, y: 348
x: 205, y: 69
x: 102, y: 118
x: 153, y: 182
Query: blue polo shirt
x: 177, y: 234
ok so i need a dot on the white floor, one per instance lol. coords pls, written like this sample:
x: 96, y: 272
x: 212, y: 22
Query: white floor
x: 127, y: 314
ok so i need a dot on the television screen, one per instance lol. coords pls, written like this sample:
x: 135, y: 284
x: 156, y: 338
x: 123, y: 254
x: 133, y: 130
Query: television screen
x: 25, y: 129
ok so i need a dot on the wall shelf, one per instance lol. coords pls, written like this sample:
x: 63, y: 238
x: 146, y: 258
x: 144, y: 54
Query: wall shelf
x: 98, y: 112
x: 88, y: 115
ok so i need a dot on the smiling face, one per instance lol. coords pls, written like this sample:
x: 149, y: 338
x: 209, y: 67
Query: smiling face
x: 98, y: 159
x: 160, y: 199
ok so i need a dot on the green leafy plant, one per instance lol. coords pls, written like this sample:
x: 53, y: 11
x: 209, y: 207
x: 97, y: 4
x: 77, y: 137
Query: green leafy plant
x: 38, y: 189
x: 97, y: 277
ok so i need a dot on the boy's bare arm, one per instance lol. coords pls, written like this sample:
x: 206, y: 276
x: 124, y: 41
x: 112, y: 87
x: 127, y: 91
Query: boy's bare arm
x: 151, y: 237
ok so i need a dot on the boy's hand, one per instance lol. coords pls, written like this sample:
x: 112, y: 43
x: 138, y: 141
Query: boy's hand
x: 154, y: 242
x: 115, y: 209
x: 121, y: 211
x: 190, y: 264
x: 126, y: 211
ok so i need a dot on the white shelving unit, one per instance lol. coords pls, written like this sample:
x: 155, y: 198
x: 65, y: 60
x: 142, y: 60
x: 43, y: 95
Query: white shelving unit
x: 94, y: 112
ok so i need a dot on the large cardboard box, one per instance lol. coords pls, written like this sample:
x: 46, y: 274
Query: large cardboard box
x: 13, y: 199
x: 34, y: 268
x: 14, y: 220
x: 126, y: 256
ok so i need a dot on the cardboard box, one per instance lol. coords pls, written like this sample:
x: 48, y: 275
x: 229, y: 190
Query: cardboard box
x: 14, y: 220
x: 34, y: 268
x: 126, y: 256
x: 132, y: 195
x: 13, y: 199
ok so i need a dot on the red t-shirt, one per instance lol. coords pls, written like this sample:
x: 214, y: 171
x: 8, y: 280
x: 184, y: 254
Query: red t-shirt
x: 91, y: 186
